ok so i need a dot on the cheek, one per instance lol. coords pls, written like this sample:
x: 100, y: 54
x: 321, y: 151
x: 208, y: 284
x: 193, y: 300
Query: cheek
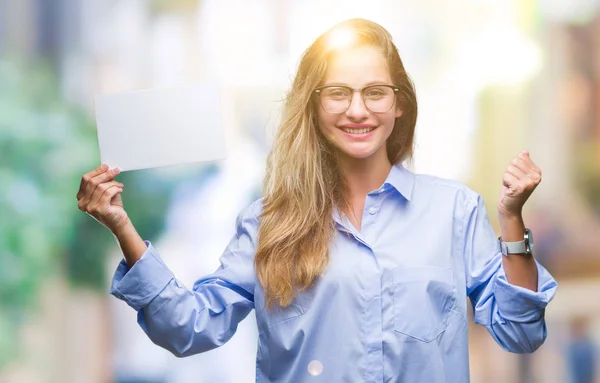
x: 326, y: 122
x: 388, y: 122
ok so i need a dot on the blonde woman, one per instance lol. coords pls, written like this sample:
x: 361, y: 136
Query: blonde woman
x: 357, y: 268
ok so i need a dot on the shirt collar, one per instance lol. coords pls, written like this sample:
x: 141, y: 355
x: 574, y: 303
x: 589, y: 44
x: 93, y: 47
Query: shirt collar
x: 401, y: 179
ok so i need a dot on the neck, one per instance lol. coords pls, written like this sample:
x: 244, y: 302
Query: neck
x: 363, y: 175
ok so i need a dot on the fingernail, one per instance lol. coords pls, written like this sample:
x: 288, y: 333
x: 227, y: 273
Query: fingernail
x: 116, y: 170
x: 104, y: 166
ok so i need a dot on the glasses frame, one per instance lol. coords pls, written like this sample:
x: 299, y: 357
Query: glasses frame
x: 318, y: 90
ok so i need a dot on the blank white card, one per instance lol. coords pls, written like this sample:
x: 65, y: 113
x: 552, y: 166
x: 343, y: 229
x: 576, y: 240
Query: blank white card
x: 160, y: 127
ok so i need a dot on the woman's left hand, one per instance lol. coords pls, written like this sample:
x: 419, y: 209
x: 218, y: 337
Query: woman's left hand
x: 520, y: 180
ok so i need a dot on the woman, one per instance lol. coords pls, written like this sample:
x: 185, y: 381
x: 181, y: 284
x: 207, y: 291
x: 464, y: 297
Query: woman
x: 356, y: 266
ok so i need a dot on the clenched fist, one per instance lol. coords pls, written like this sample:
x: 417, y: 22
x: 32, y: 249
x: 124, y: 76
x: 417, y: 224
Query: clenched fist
x: 521, y: 178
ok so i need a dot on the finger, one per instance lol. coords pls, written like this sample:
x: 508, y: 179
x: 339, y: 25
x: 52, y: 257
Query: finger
x: 88, y: 176
x: 105, y: 200
x: 94, y: 208
x: 92, y: 184
x: 510, y: 181
x: 524, y: 181
x: 516, y: 171
x: 535, y: 168
x: 84, y: 204
x: 521, y: 164
x: 526, y: 157
x: 101, y: 189
x: 535, y: 177
x: 529, y: 168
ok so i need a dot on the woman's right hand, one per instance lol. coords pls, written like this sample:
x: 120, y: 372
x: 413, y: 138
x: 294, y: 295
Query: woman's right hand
x: 99, y: 195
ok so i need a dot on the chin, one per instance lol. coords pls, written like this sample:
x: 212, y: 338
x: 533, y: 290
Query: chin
x: 359, y: 154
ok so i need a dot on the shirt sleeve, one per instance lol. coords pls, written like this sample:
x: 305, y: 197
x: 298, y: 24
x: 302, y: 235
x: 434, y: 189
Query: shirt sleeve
x: 513, y: 315
x: 185, y: 321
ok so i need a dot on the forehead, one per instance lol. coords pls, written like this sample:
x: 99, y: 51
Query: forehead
x: 357, y: 66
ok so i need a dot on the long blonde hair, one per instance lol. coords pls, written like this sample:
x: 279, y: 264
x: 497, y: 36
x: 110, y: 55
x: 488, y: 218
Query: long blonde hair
x: 302, y: 183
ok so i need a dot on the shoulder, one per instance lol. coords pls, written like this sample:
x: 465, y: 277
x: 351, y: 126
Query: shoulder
x: 251, y: 212
x: 438, y: 185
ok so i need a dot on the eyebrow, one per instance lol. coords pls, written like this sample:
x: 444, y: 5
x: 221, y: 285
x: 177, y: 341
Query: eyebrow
x: 365, y: 85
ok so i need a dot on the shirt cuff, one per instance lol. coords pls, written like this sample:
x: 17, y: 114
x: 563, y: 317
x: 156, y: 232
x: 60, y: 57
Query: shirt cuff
x: 139, y: 285
x: 519, y: 304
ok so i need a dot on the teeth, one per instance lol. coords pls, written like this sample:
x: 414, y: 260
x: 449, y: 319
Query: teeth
x: 358, y: 131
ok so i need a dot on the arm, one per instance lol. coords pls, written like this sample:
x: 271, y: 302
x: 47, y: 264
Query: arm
x: 521, y: 269
x: 186, y: 321
x: 512, y: 314
x: 131, y: 244
x: 519, y: 181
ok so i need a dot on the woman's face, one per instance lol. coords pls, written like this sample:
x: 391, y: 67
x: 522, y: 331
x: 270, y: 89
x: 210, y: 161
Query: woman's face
x: 358, y: 132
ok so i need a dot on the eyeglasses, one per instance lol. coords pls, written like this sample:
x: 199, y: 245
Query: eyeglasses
x: 336, y: 99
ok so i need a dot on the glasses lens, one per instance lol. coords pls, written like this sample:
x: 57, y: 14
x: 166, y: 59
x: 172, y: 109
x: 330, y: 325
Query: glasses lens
x: 379, y: 99
x: 335, y: 99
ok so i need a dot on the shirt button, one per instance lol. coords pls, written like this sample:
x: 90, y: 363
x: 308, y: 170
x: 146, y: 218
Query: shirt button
x: 372, y: 210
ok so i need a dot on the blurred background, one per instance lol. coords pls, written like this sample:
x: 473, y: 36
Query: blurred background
x: 493, y: 77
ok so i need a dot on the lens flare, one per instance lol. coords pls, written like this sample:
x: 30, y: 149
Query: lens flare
x: 315, y: 368
x: 341, y: 38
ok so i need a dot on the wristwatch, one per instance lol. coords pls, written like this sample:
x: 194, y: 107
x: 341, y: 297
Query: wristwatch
x: 521, y: 247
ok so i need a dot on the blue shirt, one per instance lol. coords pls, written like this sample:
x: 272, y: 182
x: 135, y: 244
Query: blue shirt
x: 390, y: 307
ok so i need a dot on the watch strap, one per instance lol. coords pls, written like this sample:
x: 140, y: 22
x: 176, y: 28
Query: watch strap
x: 519, y: 247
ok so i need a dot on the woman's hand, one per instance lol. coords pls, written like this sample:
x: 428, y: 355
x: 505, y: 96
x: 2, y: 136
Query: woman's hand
x: 520, y: 180
x: 99, y: 196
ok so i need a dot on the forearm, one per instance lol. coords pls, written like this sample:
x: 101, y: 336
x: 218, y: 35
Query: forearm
x: 131, y: 244
x: 520, y: 269
x: 188, y: 322
x: 181, y: 320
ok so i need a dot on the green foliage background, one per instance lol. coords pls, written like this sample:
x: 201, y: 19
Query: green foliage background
x: 46, y: 145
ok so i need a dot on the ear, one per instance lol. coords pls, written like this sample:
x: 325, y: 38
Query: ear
x: 398, y: 112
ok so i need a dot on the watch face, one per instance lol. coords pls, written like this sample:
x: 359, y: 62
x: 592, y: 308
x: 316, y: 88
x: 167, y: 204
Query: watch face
x: 529, y: 240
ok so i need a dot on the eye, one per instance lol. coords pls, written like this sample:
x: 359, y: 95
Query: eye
x: 375, y: 93
x: 336, y: 93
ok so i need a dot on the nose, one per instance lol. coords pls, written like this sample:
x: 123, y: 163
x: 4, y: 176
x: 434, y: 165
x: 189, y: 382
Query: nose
x: 357, y: 110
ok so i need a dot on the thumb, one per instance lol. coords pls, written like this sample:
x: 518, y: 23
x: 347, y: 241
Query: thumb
x: 117, y: 200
